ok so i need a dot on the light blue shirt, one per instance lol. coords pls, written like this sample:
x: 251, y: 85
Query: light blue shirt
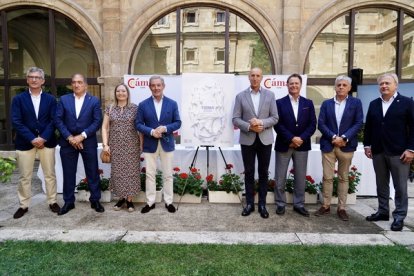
x: 339, y: 110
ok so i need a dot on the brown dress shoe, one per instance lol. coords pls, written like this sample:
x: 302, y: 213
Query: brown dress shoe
x: 323, y: 211
x: 54, y: 207
x: 343, y: 215
x: 20, y: 212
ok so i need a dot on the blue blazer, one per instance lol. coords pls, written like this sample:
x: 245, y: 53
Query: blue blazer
x: 147, y: 120
x: 90, y: 119
x: 27, y: 126
x: 394, y: 133
x: 288, y: 127
x: 351, y: 123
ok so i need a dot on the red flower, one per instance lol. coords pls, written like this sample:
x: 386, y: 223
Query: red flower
x: 194, y: 170
x: 143, y: 170
x: 176, y: 169
x: 100, y: 171
x: 142, y: 159
x: 354, y: 168
x: 292, y: 171
x: 85, y: 180
x: 310, y: 179
x: 198, y: 176
x: 209, y: 178
x: 229, y: 166
x: 336, y: 171
x: 183, y: 175
x: 221, y: 182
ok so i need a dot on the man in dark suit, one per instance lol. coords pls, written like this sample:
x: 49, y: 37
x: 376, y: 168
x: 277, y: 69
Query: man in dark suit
x: 157, y: 119
x: 389, y: 142
x: 255, y: 113
x: 32, y: 116
x: 339, y: 121
x: 297, y: 123
x: 78, y: 118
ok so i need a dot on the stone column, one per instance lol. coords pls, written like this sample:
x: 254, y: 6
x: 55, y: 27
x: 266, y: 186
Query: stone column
x: 291, y: 39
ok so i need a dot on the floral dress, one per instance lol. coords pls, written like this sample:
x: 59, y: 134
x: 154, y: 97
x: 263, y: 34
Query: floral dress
x: 125, y: 150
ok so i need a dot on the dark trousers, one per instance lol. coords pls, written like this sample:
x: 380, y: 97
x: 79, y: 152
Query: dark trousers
x: 69, y: 157
x: 249, y: 153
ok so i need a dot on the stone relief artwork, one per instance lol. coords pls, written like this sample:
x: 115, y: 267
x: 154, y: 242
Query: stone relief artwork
x: 207, y: 109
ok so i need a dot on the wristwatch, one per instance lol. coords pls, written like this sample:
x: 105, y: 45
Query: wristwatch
x: 344, y: 138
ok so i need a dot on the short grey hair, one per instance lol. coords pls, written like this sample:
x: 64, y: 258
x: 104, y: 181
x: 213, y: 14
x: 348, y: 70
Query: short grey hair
x: 156, y: 77
x: 391, y: 75
x: 343, y: 78
x: 35, y: 70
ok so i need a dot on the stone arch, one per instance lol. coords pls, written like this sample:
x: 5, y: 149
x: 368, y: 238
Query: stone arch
x: 75, y: 13
x: 249, y: 9
x: 331, y: 11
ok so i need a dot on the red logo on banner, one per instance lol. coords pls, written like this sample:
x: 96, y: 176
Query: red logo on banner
x: 136, y: 82
x: 273, y: 82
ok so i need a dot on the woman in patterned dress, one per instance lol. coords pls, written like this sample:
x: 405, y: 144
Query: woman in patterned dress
x: 124, y: 143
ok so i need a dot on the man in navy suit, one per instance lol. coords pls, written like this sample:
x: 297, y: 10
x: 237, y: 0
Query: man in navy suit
x: 157, y: 119
x: 78, y: 118
x: 255, y: 113
x: 389, y: 142
x: 297, y: 123
x: 32, y: 116
x: 340, y: 120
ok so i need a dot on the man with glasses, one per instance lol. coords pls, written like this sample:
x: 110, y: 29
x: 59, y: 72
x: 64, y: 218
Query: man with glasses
x: 32, y: 115
x: 157, y: 119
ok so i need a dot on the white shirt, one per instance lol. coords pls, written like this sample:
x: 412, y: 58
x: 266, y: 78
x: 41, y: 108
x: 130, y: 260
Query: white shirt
x: 78, y: 104
x: 256, y: 99
x: 158, y: 106
x: 339, y: 110
x: 386, y: 104
x: 36, y: 102
x: 295, y: 106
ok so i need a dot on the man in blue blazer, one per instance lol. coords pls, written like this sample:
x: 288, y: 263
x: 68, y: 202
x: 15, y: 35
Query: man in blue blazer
x: 157, y: 119
x: 32, y: 114
x: 78, y: 118
x: 255, y: 114
x: 340, y: 120
x: 389, y: 142
x: 297, y: 123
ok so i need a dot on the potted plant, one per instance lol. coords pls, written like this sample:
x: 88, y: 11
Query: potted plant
x: 311, y: 188
x: 354, y: 177
x: 227, y: 189
x: 84, y: 191
x: 158, y: 182
x: 187, y: 186
x: 7, y: 166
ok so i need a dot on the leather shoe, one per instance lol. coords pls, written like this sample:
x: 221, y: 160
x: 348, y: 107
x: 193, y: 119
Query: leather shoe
x: 147, y: 208
x: 397, y: 225
x: 342, y: 214
x: 66, y: 208
x: 263, y: 212
x: 170, y: 208
x: 54, y: 207
x: 280, y: 210
x: 323, y: 211
x: 97, y: 206
x: 20, y: 212
x: 247, y: 210
x: 301, y: 210
x: 378, y: 217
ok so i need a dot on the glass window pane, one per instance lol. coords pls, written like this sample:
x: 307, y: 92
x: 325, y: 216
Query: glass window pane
x: 75, y: 52
x: 155, y: 53
x: 375, y: 41
x: 407, y: 71
x: 203, y: 37
x: 28, y: 35
x: 328, y: 55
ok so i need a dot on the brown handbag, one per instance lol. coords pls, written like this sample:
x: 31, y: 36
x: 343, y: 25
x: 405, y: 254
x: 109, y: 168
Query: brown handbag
x: 105, y: 157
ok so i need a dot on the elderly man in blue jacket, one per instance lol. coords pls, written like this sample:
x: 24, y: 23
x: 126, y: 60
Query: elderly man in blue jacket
x: 339, y: 121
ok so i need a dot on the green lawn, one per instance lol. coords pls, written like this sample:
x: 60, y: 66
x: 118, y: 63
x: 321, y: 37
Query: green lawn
x: 57, y: 258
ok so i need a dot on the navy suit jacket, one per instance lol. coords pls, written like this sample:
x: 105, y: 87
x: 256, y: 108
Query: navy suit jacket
x: 288, y: 127
x: 147, y: 120
x: 27, y: 126
x: 90, y: 119
x: 394, y: 132
x: 351, y: 123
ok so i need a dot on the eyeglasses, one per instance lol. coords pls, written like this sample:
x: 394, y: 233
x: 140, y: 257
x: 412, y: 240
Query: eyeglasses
x: 34, y: 78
